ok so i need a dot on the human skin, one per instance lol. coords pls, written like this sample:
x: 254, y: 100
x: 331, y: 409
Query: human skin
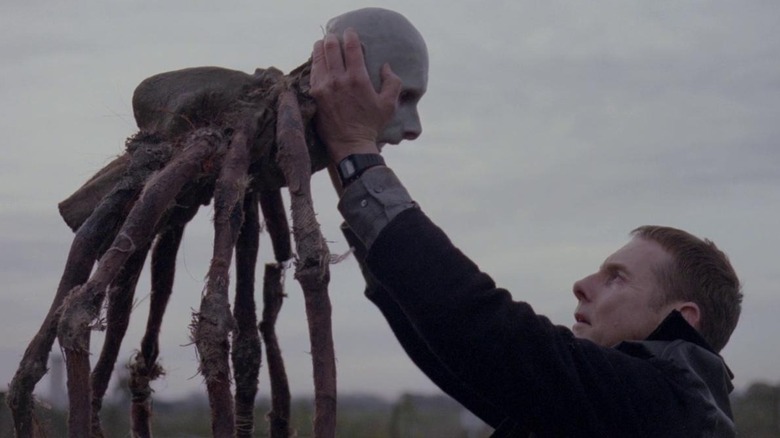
x: 350, y: 112
x: 620, y: 301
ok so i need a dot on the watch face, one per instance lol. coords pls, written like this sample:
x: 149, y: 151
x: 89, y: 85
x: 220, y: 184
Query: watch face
x: 352, y: 166
x: 347, y: 168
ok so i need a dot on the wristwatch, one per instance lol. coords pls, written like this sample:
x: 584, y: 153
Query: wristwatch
x: 351, y: 167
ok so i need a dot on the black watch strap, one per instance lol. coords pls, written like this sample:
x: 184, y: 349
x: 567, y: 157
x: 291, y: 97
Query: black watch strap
x: 351, y: 167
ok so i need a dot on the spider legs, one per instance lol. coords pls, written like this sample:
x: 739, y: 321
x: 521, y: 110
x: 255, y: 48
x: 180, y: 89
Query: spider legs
x: 214, y: 322
x: 144, y: 368
x: 120, y: 302
x: 88, y: 244
x: 84, y: 303
x: 272, y: 206
x: 311, y: 268
x: 246, y: 352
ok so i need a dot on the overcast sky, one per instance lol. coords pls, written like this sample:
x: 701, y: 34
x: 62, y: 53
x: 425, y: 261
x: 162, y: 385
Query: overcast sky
x: 550, y: 130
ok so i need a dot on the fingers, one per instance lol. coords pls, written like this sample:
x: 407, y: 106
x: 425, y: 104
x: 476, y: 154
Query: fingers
x: 318, y: 63
x: 353, y: 53
x: 327, y: 63
x: 327, y: 54
x: 326, y: 59
x: 333, y: 58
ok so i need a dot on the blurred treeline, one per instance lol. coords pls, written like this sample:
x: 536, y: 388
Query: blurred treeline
x: 358, y: 416
x: 756, y: 412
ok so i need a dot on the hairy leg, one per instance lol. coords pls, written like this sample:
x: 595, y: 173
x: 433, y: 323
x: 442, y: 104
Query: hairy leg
x: 89, y: 242
x: 272, y: 205
x: 247, y: 351
x: 84, y: 303
x: 145, y: 368
x: 273, y: 295
x: 311, y: 269
x: 214, y: 322
x: 120, y: 303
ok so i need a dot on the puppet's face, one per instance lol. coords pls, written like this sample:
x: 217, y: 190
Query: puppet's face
x: 411, y: 65
x: 388, y: 37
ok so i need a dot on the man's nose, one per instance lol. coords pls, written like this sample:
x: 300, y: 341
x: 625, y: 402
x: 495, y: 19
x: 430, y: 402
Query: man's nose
x: 580, y: 289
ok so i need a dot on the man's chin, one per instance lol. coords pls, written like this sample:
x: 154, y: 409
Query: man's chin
x: 580, y: 330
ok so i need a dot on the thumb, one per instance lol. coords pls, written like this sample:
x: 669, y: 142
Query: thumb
x: 391, y: 86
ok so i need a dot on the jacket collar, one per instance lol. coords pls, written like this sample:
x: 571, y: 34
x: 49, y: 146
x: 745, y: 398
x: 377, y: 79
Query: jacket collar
x: 675, y: 327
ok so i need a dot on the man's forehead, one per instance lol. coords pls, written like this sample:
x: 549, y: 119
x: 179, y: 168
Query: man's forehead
x: 638, y: 252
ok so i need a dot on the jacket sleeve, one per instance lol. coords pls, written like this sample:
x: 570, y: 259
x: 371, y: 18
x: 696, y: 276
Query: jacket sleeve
x: 536, y: 373
x: 414, y: 345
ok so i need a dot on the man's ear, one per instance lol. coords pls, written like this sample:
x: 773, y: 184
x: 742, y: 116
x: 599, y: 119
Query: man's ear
x: 690, y: 311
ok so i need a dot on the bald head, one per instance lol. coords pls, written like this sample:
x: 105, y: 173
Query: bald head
x: 388, y: 37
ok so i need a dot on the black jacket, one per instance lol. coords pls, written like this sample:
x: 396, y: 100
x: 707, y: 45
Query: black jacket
x: 520, y: 373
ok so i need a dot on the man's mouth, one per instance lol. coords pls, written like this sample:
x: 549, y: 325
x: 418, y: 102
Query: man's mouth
x: 580, y: 318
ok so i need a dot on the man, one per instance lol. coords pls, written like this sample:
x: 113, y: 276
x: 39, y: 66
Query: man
x: 641, y: 359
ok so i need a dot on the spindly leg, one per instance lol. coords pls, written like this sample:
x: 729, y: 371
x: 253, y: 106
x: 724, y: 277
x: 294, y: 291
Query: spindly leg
x: 273, y: 295
x: 144, y: 368
x: 84, y: 303
x: 214, y: 321
x: 90, y: 240
x: 273, y: 209
x: 120, y: 303
x: 311, y: 269
x: 247, y: 351
x: 274, y: 213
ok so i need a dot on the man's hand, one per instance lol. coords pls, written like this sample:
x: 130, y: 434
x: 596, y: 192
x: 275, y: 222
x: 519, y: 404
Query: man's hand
x: 350, y: 113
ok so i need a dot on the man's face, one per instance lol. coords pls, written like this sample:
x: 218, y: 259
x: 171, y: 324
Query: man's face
x: 618, y: 303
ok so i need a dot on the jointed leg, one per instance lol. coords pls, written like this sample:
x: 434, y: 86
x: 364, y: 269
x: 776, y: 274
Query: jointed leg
x: 120, y: 303
x: 84, y: 303
x: 247, y: 351
x: 311, y: 269
x: 145, y: 368
x: 273, y: 296
x: 214, y: 322
x: 274, y: 213
x: 90, y: 240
